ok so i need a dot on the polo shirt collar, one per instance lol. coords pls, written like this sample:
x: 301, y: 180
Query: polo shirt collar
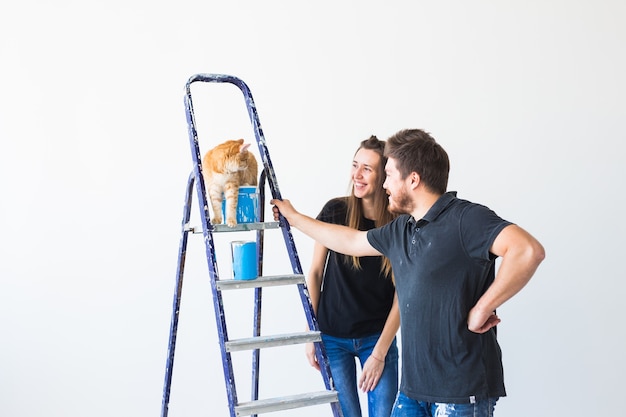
x: 440, y: 205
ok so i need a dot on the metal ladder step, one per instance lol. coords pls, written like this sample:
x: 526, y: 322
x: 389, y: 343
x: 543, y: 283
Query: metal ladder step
x: 285, y: 403
x: 263, y: 281
x: 241, y: 227
x: 272, y: 341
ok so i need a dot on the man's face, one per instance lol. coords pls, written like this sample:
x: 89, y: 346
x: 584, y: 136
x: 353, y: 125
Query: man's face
x: 396, y: 187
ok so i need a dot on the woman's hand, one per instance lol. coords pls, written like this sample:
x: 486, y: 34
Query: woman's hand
x: 309, y: 351
x: 372, y: 371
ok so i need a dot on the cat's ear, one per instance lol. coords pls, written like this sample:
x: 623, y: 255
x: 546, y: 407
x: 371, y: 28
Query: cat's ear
x: 244, y: 147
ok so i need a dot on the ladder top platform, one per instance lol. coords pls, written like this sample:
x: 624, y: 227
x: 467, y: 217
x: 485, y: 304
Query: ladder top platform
x: 240, y: 227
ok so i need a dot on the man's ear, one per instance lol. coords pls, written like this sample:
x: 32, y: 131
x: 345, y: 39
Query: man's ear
x: 414, y: 180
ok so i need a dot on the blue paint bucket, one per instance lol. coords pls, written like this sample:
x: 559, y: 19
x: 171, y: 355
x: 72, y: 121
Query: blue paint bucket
x: 244, y: 259
x: 247, y: 205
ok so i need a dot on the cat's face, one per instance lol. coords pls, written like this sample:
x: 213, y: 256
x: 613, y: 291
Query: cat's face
x: 237, y: 158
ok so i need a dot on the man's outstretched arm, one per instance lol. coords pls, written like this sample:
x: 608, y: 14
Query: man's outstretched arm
x: 342, y: 239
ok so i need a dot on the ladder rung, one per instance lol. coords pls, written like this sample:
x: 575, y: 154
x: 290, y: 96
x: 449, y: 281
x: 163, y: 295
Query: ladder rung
x: 271, y: 341
x: 285, y: 403
x: 241, y: 227
x: 263, y: 281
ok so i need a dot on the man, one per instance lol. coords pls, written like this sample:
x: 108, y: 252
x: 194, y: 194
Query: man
x: 443, y: 251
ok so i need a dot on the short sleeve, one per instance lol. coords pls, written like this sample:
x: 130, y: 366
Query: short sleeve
x: 479, y: 228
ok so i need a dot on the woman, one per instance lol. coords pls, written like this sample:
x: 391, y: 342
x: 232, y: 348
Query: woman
x: 354, y: 298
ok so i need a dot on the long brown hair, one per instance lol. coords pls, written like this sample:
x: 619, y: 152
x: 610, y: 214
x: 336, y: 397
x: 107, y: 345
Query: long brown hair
x: 355, y: 205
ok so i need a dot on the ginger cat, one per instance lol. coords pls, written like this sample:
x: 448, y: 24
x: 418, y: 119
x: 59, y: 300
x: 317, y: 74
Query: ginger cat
x: 224, y: 168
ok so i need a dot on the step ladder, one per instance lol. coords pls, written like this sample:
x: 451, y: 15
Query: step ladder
x: 258, y: 341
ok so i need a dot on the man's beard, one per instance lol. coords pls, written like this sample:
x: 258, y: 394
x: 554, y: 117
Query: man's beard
x: 401, y: 203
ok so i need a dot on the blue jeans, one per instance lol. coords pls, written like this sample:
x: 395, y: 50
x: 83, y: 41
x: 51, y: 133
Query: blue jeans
x: 341, y: 356
x: 406, y: 407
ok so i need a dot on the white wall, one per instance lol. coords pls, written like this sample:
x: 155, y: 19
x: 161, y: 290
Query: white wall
x: 526, y: 96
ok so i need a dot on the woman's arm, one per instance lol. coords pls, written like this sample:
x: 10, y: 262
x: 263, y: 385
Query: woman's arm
x: 375, y: 364
x: 314, y: 286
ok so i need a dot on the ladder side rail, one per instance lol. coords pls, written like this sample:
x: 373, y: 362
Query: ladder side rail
x: 287, y: 236
x: 258, y: 292
x: 182, y: 252
x: 269, y: 169
x: 229, y: 376
x: 256, y: 353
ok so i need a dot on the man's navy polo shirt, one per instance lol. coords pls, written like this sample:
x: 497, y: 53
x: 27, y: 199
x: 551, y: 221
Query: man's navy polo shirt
x: 442, y: 265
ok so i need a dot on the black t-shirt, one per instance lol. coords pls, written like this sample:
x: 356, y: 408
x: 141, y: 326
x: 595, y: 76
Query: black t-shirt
x: 353, y: 303
x: 442, y: 265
